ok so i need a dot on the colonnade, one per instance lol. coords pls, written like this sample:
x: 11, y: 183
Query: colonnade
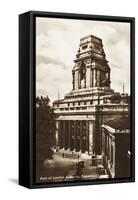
x: 75, y: 135
x: 94, y: 78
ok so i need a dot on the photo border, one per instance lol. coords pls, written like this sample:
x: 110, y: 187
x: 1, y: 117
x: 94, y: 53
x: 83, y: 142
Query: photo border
x: 32, y: 89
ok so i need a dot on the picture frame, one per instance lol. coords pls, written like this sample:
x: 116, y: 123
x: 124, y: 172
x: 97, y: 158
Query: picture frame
x: 113, y: 113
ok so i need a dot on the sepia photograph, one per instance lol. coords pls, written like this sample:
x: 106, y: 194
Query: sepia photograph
x: 83, y: 100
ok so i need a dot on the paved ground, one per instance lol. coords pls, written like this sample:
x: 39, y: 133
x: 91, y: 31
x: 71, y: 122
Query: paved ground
x: 63, y: 166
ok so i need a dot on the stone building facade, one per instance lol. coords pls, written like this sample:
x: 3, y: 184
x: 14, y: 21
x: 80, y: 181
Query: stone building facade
x: 90, y: 102
x: 115, y: 135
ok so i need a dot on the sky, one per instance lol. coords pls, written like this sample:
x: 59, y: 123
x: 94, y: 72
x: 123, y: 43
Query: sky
x: 57, y: 42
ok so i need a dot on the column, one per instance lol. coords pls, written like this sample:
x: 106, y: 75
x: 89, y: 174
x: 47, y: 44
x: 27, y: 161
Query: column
x: 88, y: 77
x: 87, y: 136
x: 66, y: 134
x: 71, y: 134
x: 98, y: 78
x: 57, y: 133
x: 69, y: 131
x: 74, y: 135
x: 79, y: 82
x: 94, y: 78
x: 85, y: 81
x: 73, y: 80
x: 114, y: 156
x: 90, y: 137
x: 63, y: 134
x: 76, y: 80
x: 77, y: 136
x: 80, y: 135
x: 109, y: 77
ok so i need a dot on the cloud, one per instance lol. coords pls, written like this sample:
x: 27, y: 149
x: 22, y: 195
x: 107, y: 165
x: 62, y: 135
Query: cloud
x: 50, y: 80
x: 48, y: 60
x: 57, y: 42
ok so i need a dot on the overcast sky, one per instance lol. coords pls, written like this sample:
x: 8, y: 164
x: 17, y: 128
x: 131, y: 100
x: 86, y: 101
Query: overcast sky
x: 57, y: 42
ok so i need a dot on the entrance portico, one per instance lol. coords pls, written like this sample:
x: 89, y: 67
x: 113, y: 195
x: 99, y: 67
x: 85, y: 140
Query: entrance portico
x: 75, y: 135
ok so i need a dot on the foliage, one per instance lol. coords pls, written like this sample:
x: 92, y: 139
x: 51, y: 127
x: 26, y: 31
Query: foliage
x: 45, y: 128
x: 115, y: 98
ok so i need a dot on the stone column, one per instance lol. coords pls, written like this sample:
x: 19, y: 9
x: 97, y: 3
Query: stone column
x: 71, y: 134
x: 80, y: 135
x: 73, y: 80
x: 88, y: 77
x: 94, y: 78
x: 90, y: 137
x: 57, y: 133
x: 87, y: 136
x: 79, y: 81
x: 63, y: 134
x: 114, y: 155
x: 102, y: 78
x: 109, y: 77
x: 98, y: 78
x: 76, y: 79
x: 77, y: 135
x: 74, y: 134
x: 85, y: 81
x: 69, y: 130
x: 91, y: 77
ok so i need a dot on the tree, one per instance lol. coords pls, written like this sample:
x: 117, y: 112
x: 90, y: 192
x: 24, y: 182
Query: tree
x: 45, y: 129
x: 115, y: 98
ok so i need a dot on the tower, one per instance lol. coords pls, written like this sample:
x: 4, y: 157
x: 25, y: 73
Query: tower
x: 91, y: 67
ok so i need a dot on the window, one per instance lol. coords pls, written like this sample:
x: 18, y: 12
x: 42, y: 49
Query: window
x: 84, y: 46
x: 91, y: 102
x: 105, y: 100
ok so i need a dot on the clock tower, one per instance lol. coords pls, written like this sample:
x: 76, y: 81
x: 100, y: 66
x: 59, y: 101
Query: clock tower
x: 91, y: 67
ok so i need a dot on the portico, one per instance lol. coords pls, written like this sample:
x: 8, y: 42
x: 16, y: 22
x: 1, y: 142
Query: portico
x: 75, y: 135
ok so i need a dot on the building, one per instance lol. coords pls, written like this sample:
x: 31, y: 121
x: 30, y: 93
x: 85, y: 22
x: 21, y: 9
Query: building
x: 90, y: 102
x: 116, y: 147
